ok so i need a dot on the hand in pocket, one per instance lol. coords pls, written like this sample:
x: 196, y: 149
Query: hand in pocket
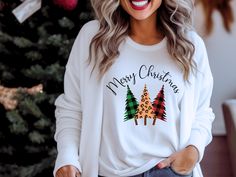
x: 181, y: 162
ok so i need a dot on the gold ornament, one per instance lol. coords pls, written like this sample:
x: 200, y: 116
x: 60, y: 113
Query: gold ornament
x: 8, y: 96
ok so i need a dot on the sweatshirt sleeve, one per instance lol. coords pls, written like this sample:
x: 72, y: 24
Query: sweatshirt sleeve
x: 201, y: 134
x: 68, y: 111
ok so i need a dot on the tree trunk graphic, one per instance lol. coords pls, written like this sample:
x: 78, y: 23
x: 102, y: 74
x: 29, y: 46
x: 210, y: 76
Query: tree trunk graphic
x: 131, y: 106
x: 145, y: 109
x: 159, y: 106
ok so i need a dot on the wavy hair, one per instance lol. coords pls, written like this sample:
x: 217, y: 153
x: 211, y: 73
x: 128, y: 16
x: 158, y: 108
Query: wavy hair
x: 174, y: 19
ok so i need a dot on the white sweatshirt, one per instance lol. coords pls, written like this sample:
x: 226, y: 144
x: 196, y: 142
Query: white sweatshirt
x: 97, y: 132
x: 149, y: 87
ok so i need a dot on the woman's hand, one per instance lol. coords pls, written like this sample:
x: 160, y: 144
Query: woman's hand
x: 68, y: 171
x: 183, y: 161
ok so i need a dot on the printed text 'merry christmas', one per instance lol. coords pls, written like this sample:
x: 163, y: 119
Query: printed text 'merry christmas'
x: 144, y: 72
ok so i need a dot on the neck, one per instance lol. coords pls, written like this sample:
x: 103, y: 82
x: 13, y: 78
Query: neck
x: 145, y: 31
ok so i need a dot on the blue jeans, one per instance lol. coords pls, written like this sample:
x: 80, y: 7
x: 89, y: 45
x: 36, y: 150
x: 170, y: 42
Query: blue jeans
x: 165, y: 172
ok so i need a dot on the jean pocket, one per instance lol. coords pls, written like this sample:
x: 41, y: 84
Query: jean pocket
x: 180, y: 175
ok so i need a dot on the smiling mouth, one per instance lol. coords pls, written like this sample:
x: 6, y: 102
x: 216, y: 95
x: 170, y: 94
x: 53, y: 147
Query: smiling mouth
x: 139, y: 4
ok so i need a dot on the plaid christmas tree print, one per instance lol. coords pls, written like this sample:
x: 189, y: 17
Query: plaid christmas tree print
x: 131, y: 105
x: 159, y: 106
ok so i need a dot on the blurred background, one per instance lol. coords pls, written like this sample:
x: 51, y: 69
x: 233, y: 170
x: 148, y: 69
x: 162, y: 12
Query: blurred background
x: 36, y: 37
x: 35, y: 40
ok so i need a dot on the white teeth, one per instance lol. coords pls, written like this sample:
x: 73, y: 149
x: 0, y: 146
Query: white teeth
x: 139, y: 3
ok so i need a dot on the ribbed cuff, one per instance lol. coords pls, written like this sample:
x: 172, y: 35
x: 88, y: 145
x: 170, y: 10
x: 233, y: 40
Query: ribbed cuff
x: 63, y: 160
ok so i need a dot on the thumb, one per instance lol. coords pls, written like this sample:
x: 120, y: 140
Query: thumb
x: 78, y: 174
x: 165, y: 163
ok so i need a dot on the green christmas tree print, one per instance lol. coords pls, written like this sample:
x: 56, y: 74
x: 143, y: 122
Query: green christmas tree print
x: 159, y: 106
x: 131, y: 105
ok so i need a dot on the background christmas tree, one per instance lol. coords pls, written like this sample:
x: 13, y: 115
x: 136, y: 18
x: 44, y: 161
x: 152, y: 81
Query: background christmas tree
x: 34, y: 52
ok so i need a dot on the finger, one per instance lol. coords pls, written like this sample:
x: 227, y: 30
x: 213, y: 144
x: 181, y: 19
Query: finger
x: 77, y: 174
x: 71, y: 173
x: 165, y: 163
x: 68, y: 175
x: 59, y: 174
x: 65, y: 172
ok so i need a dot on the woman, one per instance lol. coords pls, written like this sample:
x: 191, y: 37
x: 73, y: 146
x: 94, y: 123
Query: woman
x: 137, y: 94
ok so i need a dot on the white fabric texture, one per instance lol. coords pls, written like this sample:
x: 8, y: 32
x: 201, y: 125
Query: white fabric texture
x: 79, y: 110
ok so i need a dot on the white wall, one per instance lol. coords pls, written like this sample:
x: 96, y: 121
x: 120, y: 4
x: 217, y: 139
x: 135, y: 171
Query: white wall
x: 221, y: 48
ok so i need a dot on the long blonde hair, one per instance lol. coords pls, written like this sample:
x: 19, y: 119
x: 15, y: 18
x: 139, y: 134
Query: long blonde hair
x: 174, y: 20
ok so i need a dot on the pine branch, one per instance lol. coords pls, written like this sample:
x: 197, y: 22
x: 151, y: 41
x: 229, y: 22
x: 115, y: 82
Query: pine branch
x: 37, y: 137
x: 3, y: 49
x: 7, y: 150
x: 29, y: 107
x: 42, y: 123
x: 35, y: 169
x: 9, y: 170
x: 53, y: 72
x: 66, y: 23
x: 18, y: 125
x: 22, y: 42
x: 33, y: 55
x: 4, y: 37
